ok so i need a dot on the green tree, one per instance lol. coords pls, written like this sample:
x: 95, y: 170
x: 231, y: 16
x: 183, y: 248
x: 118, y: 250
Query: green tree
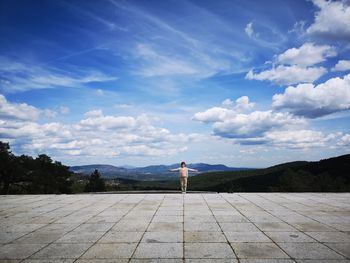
x: 49, y: 177
x: 23, y: 174
x: 96, y: 183
x: 295, y: 181
x: 7, y: 165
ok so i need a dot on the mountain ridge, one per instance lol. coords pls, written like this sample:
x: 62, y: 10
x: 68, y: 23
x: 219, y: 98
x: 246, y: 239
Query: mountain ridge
x: 150, y: 172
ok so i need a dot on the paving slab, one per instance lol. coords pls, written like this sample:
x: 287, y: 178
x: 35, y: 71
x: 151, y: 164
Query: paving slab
x: 201, y: 236
x: 247, y: 237
x: 61, y: 251
x: 341, y: 248
x: 18, y: 251
x: 121, y: 237
x: 80, y: 237
x: 258, y: 250
x: 309, y: 251
x: 171, y: 227
x: 208, y: 250
x: 159, y: 250
x: 332, y: 237
x: 295, y: 236
x: 110, y: 251
x: 156, y: 260
x: 211, y: 260
x: 270, y: 260
x: 163, y: 237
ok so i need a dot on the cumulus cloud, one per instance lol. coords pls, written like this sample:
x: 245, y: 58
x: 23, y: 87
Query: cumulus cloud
x: 297, y: 139
x: 342, y: 65
x: 270, y: 127
x: 230, y: 109
x: 96, y: 134
x: 306, y: 55
x: 287, y: 75
x: 233, y: 123
x: 296, y: 65
x: 214, y: 114
x: 243, y: 104
x: 106, y: 122
x: 332, y: 20
x: 253, y: 124
x: 314, y: 101
x: 21, y: 111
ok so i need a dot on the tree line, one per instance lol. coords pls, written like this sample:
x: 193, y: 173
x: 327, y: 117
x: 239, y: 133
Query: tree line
x: 41, y: 175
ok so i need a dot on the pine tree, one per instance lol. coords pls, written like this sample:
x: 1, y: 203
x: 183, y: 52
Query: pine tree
x: 96, y: 183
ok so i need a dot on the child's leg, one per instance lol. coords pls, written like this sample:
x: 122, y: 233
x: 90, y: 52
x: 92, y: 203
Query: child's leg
x: 182, y: 184
x: 185, y: 184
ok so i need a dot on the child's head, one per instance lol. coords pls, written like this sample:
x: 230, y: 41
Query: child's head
x: 183, y: 164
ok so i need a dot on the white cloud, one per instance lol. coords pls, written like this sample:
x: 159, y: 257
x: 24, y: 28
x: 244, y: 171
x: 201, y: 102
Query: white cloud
x: 94, y: 113
x: 253, y: 124
x: 276, y: 129
x: 342, y: 65
x: 271, y: 128
x: 332, y: 20
x: 297, y: 139
x: 227, y: 102
x: 94, y: 135
x: 291, y: 139
x: 230, y: 109
x: 287, y: 75
x: 21, y: 111
x: 243, y: 104
x: 315, y: 101
x: 344, y: 140
x: 296, y: 65
x: 97, y: 121
x: 214, y: 114
x: 232, y: 123
x: 306, y: 55
x: 249, y: 29
x: 27, y: 130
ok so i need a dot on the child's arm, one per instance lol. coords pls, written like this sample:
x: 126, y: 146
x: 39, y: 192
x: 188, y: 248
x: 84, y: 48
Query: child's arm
x: 193, y: 170
x: 173, y: 170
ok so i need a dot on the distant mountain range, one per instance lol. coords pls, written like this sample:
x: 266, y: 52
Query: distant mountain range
x: 151, y: 172
x: 327, y: 175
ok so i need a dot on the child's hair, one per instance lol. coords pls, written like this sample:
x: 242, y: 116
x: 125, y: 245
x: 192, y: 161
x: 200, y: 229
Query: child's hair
x: 183, y: 163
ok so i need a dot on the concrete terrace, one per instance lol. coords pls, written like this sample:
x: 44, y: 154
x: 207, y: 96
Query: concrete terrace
x: 199, y: 227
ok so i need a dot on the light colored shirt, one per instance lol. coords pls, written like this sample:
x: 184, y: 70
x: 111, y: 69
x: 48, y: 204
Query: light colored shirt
x: 183, y: 171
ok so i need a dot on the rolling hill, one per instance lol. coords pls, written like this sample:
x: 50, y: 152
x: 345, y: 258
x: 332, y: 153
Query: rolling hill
x: 152, y: 172
x: 331, y: 174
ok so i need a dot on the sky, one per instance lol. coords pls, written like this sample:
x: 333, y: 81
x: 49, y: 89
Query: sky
x: 241, y: 83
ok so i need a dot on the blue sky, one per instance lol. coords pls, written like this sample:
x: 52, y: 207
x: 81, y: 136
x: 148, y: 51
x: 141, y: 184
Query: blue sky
x: 147, y: 82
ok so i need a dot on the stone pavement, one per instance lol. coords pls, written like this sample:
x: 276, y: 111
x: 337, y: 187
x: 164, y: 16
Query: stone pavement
x: 201, y: 227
